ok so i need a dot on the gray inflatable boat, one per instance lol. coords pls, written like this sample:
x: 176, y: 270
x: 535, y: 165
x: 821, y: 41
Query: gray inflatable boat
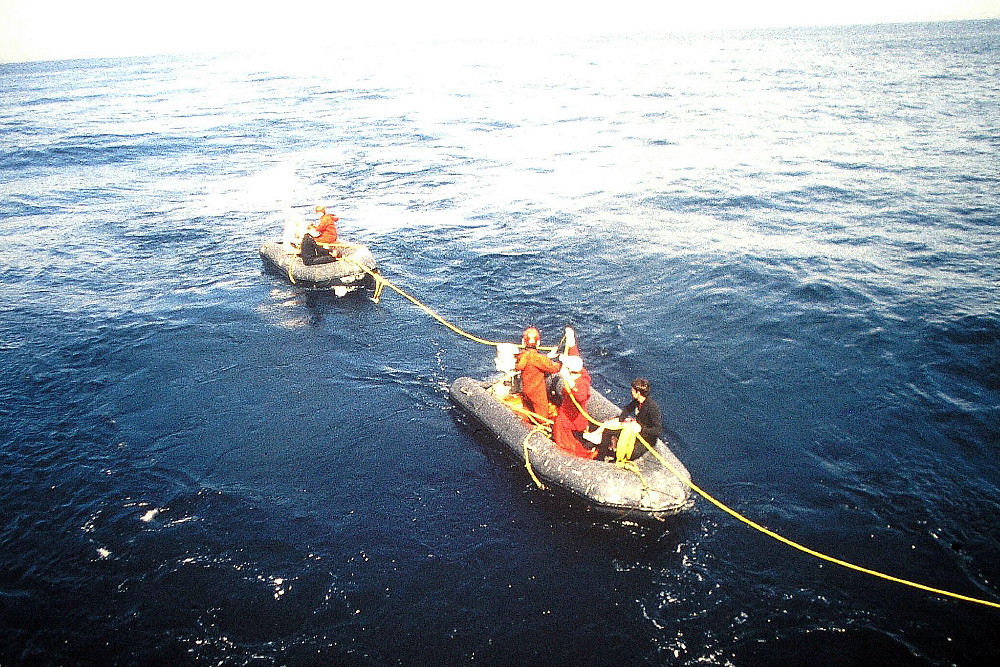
x: 651, y: 489
x: 340, y: 276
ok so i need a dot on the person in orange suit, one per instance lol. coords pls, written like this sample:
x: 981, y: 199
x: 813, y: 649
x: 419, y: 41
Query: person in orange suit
x: 534, y: 366
x: 570, y: 423
x: 327, y: 227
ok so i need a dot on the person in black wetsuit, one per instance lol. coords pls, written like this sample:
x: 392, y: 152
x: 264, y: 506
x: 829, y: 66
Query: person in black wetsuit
x: 642, y: 412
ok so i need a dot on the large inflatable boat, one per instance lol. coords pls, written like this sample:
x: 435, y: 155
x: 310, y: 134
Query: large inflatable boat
x: 341, y: 276
x: 650, y: 488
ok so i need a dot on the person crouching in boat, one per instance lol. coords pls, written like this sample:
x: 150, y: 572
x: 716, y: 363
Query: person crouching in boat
x: 640, y: 417
x: 319, y: 243
x: 570, y: 423
x: 534, y: 366
x: 311, y: 251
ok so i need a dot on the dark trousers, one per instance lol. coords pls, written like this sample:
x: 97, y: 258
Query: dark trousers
x: 609, y: 441
x: 312, y: 253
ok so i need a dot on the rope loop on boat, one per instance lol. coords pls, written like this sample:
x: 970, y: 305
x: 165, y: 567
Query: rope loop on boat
x: 632, y: 467
x: 379, y: 283
x: 527, y: 458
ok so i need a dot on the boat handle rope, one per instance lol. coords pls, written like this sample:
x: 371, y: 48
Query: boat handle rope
x: 632, y: 467
x: 527, y: 459
x: 694, y: 487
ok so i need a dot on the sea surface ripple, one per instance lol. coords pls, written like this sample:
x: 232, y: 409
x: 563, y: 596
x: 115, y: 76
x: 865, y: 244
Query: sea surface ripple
x: 792, y: 233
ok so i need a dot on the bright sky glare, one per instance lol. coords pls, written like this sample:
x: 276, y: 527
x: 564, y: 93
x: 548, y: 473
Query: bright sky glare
x: 57, y: 29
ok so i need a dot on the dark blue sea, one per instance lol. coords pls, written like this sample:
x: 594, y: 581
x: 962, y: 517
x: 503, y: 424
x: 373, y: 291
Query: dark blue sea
x: 793, y: 234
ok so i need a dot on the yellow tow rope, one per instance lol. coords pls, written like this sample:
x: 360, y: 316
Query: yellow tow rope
x: 784, y: 540
x: 804, y: 549
x: 380, y: 280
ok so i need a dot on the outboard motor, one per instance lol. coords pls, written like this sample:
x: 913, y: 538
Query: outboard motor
x: 295, y: 229
x: 506, y: 360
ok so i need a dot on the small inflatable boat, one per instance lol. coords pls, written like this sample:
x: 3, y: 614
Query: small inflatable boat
x: 342, y: 276
x: 650, y: 489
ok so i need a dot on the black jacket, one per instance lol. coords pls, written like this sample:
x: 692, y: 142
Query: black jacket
x: 648, y: 416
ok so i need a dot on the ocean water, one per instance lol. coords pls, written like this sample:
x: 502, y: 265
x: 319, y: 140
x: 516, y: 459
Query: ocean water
x: 792, y: 234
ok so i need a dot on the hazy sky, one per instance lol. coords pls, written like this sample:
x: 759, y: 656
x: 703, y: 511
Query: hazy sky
x: 54, y: 29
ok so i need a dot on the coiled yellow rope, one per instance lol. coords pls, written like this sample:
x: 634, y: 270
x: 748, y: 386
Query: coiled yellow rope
x: 694, y: 487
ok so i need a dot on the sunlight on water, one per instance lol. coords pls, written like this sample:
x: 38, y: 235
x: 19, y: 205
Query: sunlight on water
x: 790, y: 233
